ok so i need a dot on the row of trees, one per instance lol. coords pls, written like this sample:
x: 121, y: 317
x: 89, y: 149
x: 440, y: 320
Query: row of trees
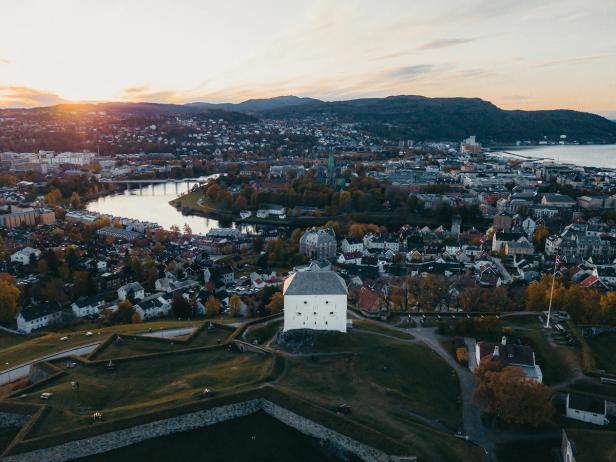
x: 587, y: 306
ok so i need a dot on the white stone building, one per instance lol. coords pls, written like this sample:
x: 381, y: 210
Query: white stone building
x: 24, y: 256
x: 315, y: 300
x: 587, y: 409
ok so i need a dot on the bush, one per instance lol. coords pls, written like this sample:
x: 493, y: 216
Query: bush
x: 462, y: 355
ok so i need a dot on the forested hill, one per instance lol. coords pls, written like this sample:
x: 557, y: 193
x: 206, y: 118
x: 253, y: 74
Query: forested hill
x: 421, y: 118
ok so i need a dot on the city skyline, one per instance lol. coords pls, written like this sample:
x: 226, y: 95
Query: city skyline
x: 518, y: 55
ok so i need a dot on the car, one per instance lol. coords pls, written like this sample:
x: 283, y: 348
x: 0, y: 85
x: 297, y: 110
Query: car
x: 46, y: 395
x: 88, y: 334
x: 63, y: 339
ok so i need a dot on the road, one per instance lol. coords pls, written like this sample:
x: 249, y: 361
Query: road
x: 471, y: 415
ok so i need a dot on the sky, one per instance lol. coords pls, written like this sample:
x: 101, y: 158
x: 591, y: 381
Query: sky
x: 518, y: 54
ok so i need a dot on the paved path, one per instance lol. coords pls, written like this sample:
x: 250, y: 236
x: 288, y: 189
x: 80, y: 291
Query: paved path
x: 167, y: 333
x: 22, y: 370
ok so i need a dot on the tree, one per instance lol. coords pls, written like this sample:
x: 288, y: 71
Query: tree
x: 75, y: 200
x: 124, y: 313
x: 83, y: 284
x: 276, y: 303
x: 608, y: 308
x: 9, y: 294
x: 507, y: 393
x: 212, y: 306
x: 541, y: 234
x: 180, y: 306
x: 53, y: 196
x: 235, y: 304
x: 135, y: 318
x: 54, y: 291
x: 187, y: 229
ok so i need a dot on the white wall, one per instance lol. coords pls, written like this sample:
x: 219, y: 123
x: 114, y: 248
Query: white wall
x: 299, y: 312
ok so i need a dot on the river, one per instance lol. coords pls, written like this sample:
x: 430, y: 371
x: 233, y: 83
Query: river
x: 600, y: 155
x: 151, y: 203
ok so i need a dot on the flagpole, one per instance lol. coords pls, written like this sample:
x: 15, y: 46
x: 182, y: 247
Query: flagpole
x: 556, y: 262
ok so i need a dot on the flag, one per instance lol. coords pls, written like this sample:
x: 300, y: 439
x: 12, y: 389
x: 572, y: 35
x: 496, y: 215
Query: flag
x: 557, y: 262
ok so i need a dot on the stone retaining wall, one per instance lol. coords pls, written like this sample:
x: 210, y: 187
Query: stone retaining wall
x: 126, y: 437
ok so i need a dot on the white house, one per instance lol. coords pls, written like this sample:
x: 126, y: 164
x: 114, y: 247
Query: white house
x: 315, y: 300
x: 587, y: 409
x: 88, y: 306
x: 511, y: 355
x: 38, y: 316
x: 133, y: 289
x: 154, y: 306
x: 24, y: 256
x: 352, y: 244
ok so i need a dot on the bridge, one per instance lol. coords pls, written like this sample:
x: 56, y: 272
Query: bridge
x: 147, y: 182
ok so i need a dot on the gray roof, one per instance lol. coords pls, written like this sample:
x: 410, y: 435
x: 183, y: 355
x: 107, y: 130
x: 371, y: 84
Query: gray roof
x: 314, y: 283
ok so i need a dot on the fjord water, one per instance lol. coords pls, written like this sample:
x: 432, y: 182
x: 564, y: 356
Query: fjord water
x: 151, y: 203
x: 596, y: 155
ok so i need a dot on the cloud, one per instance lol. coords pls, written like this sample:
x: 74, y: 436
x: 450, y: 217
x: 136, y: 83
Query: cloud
x: 409, y: 71
x: 445, y: 43
x: 575, y: 60
x: 16, y: 96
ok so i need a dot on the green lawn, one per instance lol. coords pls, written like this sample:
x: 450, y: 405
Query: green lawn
x: 49, y: 343
x: 139, y: 385
x: 8, y: 340
x: 379, y: 328
x: 557, y: 361
x: 604, y: 350
x: 542, y: 450
x: 387, y: 384
x: 131, y: 346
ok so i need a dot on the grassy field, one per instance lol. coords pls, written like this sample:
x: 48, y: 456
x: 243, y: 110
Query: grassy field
x: 139, y: 385
x: 372, y: 326
x: 535, y: 450
x: 131, y: 346
x: 8, y: 340
x: 246, y: 439
x: 262, y: 332
x: 604, y: 350
x: 397, y: 388
x: 390, y: 386
x: 46, y: 344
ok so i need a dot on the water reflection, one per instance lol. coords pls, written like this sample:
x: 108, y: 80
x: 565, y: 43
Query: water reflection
x: 151, y: 203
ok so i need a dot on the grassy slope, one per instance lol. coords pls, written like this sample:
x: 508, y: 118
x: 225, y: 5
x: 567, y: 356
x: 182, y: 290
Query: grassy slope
x: 139, y: 385
x: 30, y: 349
x: 385, y: 383
x: 604, y: 350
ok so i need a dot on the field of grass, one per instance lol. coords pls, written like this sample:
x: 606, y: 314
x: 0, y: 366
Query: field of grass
x: 400, y: 389
x: 262, y: 332
x: 49, y: 343
x: 604, y: 350
x: 131, y: 346
x: 378, y: 328
x: 387, y: 384
x: 542, y: 450
x: 8, y: 340
x: 139, y: 385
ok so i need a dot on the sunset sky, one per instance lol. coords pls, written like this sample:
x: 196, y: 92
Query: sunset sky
x: 526, y: 54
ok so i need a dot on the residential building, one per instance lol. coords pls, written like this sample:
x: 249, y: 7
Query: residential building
x: 318, y: 244
x: 586, y: 409
x: 520, y: 356
x: 25, y: 256
x: 35, y: 317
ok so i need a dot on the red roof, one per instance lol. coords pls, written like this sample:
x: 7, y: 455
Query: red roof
x: 368, y: 300
x: 589, y: 281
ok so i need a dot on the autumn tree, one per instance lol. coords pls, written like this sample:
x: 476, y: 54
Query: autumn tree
x: 124, y: 313
x: 54, y: 291
x: 235, y: 304
x: 212, y: 306
x: 75, y: 200
x: 180, y: 306
x: 276, y: 304
x: 541, y: 234
x: 9, y: 295
x: 53, y: 197
x: 507, y: 393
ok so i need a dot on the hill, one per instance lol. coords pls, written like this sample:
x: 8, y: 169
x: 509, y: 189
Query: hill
x: 258, y: 105
x: 421, y: 118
